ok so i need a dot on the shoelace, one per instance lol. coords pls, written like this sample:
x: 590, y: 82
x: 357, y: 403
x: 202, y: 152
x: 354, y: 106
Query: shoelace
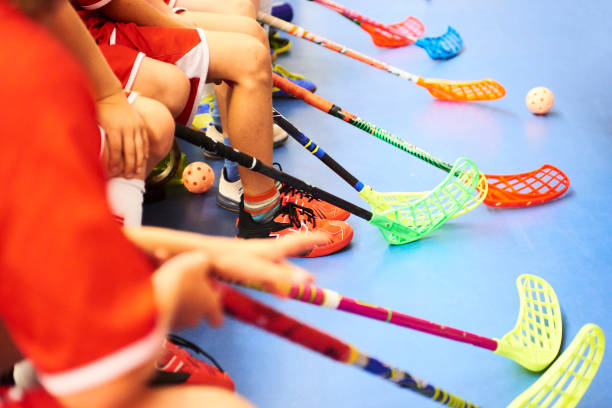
x: 296, y: 214
x: 182, y: 342
x: 286, y: 189
x: 290, y: 190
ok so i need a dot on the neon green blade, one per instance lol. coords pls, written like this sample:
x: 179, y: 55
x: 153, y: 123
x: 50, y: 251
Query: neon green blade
x: 566, y: 381
x: 535, y: 340
x: 477, y: 197
x: 422, y: 213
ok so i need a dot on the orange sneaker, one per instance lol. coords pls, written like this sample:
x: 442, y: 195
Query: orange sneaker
x: 177, y: 366
x: 293, y: 218
x: 321, y: 209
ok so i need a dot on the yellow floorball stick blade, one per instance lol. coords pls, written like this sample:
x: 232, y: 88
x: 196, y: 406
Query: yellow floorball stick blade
x: 425, y: 212
x: 566, y: 381
x: 477, y: 198
x: 483, y: 90
x: 535, y: 340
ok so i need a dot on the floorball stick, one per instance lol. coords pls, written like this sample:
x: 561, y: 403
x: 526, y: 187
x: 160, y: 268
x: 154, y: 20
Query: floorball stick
x: 428, y: 210
x: 512, y: 190
x: 392, y: 35
x: 393, y: 224
x: 534, y: 342
x: 248, y: 310
x: 480, y: 90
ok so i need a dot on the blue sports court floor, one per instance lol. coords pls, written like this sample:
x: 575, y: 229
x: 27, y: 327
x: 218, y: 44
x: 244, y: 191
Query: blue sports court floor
x: 463, y: 274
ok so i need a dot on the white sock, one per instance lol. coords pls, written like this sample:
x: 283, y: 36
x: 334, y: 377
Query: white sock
x: 24, y: 375
x: 125, y: 199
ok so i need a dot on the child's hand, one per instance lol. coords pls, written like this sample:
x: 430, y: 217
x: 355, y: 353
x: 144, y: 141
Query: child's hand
x: 126, y: 149
x: 264, y: 261
x: 185, y: 285
x: 185, y: 290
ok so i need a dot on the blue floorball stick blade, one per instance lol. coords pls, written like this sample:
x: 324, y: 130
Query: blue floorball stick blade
x: 443, y: 47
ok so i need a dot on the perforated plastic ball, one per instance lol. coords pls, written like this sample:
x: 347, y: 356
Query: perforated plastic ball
x: 198, y: 177
x: 540, y: 100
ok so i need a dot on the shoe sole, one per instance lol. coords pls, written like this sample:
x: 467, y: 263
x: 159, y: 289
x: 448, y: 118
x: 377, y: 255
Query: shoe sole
x: 228, y: 204
x: 211, y: 155
x: 329, y: 249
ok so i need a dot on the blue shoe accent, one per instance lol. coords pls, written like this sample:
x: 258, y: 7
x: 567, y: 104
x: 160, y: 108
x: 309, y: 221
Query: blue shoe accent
x: 230, y: 167
x: 295, y: 78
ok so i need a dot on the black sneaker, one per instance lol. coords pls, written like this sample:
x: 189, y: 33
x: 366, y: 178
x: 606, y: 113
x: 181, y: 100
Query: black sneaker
x: 291, y: 219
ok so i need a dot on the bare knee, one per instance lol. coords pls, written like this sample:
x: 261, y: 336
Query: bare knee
x: 255, y: 65
x: 165, y: 83
x: 244, y: 8
x: 175, y: 90
x: 160, y: 127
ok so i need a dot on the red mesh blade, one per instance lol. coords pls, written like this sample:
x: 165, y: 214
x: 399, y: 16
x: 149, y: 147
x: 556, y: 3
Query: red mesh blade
x: 411, y: 29
x: 526, y: 189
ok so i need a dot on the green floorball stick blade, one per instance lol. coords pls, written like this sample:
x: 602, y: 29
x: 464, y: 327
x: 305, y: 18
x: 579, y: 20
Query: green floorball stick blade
x: 535, y: 340
x: 421, y: 214
x: 566, y: 381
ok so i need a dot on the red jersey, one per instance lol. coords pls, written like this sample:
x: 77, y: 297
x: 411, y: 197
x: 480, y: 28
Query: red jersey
x: 75, y: 294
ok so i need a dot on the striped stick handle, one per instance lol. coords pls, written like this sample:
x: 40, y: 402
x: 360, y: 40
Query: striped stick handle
x: 334, y: 110
x: 248, y: 310
x: 299, y: 32
x: 333, y: 300
x: 316, y: 150
x: 360, y: 18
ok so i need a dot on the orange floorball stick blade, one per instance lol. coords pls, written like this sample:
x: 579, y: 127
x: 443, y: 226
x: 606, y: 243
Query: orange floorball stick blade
x: 412, y: 28
x: 483, y: 90
x: 526, y: 189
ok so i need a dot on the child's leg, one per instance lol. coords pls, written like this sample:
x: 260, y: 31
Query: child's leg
x: 246, y: 63
x: 247, y: 8
x: 189, y: 397
x: 163, y: 82
x: 226, y: 22
x: 160, y: 130
x: 125, y: 196
x: 150, y: 78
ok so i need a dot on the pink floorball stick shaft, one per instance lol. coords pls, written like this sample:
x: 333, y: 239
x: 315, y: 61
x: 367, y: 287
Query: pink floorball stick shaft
x: 328, y: 298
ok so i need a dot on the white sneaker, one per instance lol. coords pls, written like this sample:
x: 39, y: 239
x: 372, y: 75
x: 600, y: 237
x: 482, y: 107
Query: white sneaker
x: 279, y: 136
x: 213, y: 133
x: 229, y: 193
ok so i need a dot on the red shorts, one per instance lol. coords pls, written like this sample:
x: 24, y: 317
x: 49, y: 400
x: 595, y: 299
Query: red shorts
x: 125, y: 46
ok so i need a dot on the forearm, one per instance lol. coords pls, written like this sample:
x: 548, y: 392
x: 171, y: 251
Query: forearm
x: 124, y: 391
x: 144, y: 13
x: 150, y: 239
x: 66, y: 25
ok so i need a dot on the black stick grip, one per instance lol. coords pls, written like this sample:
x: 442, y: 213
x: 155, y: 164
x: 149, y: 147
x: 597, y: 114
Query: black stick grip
x: 199, y: 138
x: 316, y: 150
